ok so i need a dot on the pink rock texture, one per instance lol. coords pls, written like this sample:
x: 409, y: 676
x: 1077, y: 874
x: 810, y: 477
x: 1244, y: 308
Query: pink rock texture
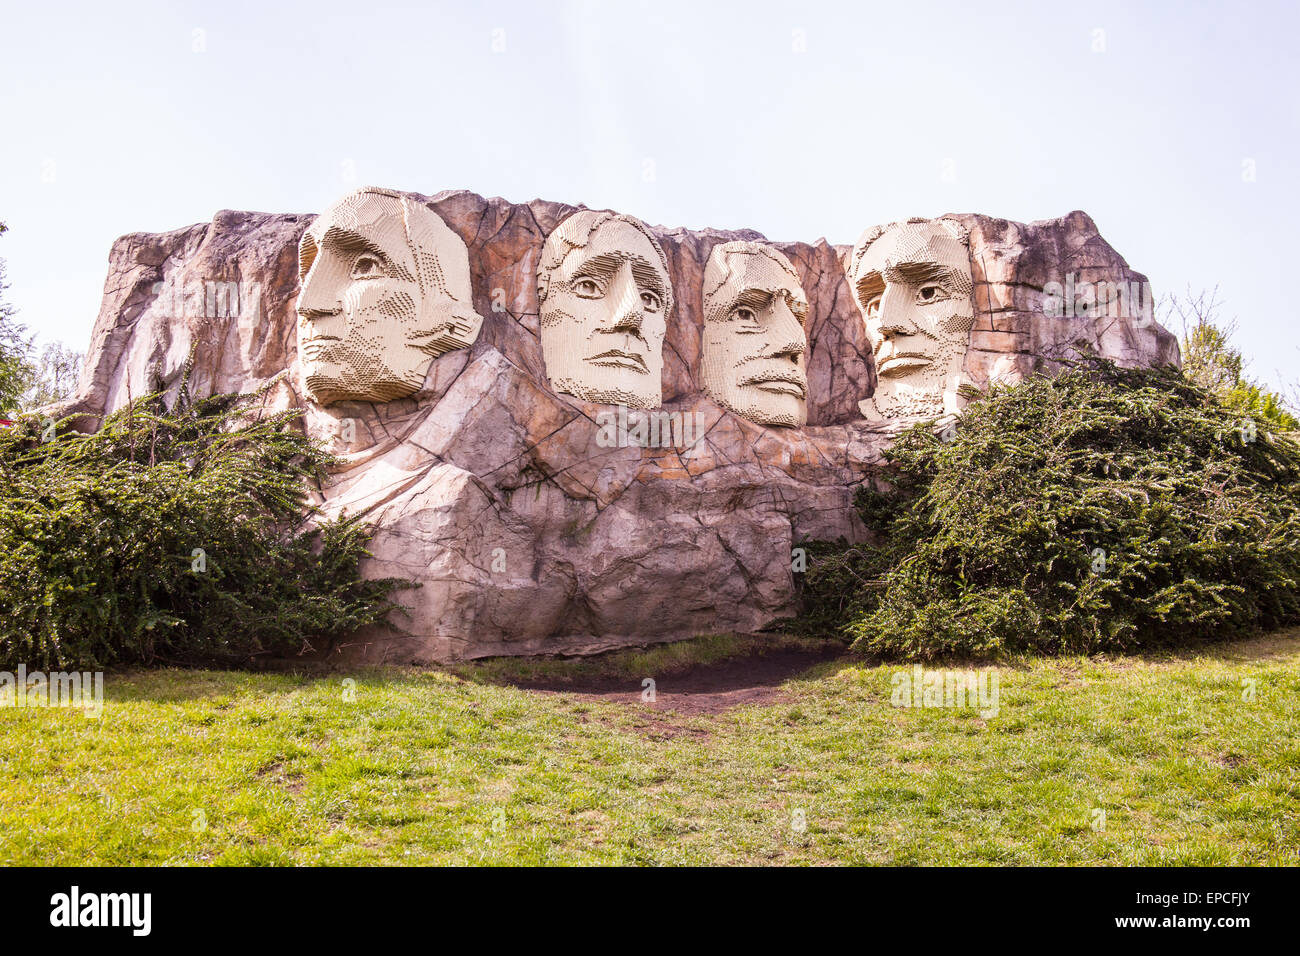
x: 527, y: 532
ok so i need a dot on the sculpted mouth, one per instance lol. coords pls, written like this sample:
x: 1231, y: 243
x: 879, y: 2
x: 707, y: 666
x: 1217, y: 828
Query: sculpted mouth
x: 779, y: 383
x: 902, y: 363
x: 617, y: 358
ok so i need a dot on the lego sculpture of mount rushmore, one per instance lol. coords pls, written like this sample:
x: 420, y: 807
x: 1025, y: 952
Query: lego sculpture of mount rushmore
x: 578, y: 431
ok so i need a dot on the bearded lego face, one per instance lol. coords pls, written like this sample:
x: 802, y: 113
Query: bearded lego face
x: 605, y: 298
x: 385, y: 289
x: 913, y: 284
x: 754, y: 343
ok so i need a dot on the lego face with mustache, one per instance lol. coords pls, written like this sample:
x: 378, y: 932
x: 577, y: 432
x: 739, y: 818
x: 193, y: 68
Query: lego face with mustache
x: 604, y: 298
x: 754, y: 314
x: 385, y: 289
x: 913, y: 283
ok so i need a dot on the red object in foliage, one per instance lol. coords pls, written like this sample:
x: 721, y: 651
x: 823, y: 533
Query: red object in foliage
x: 5, y: 421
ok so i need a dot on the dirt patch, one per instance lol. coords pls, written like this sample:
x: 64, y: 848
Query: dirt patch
x: 701, y: 689
x: 277, y: 774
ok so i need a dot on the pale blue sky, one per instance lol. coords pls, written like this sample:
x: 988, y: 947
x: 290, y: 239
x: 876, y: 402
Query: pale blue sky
x: 118, y: 117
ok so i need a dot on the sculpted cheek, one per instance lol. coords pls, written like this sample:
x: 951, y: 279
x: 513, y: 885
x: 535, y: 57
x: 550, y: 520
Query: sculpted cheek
x: 398, y: 306
x: 374, y: 300
x: 354, y: 300
x: 654, y: 331
x: 556, y: 311
x: 582, y: 312
x: 742, y: 348
x: 958, y: 323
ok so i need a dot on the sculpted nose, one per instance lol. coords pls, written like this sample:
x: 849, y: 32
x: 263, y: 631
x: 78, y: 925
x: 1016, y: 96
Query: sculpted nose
x: 787, y: 335
x: 320, y: 294
x: 626, y: 300
x: 896, y: 308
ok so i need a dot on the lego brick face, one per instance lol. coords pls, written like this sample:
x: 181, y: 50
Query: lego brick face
x: 754, y: 342
x: 912, y: 281
x: 605, y: 298
x: 385, y: 289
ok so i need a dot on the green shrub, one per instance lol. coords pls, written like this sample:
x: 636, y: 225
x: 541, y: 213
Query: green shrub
x: 100, y: 537
x: 15, y: 349
x: 1105, y: 509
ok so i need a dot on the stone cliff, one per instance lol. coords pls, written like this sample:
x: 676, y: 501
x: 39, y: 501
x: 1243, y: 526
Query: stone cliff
x: 538, y: 522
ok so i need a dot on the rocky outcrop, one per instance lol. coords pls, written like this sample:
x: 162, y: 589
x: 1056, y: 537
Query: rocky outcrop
x: 1048, y: 292
x: 534, y: 521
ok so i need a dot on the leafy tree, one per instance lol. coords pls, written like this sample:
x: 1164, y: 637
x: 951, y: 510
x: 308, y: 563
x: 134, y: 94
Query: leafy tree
x: 54, y: 376
x: 1105, y: 509
x: 1212, y: 362
x: 15, y: 349
x: 177, y: 534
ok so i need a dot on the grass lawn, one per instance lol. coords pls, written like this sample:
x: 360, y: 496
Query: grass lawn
x: 461, y: 766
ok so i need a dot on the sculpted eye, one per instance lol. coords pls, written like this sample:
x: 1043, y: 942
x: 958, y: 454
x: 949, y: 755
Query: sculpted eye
x: 587, y: 288
x: 746, y: 320
x: 367, y: 266
x: 873, y: 307
x: 650, y: 301
x: 930, y: 293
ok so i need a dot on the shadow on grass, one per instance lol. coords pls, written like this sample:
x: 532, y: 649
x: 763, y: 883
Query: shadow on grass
x: 717, y: 665
x: 1273, y: 645
x: 719, y: 661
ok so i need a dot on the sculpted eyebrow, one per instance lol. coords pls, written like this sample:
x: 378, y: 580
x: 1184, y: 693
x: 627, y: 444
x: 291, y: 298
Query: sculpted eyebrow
x: 753, y: 298
x: 354, y: 242
x: 647, y: 275
x: 915, y: 272
x: 873, y: 283
x: 350, y: 240
x: 606, y: 264
x: 797, y: 305
x: 602, y: 265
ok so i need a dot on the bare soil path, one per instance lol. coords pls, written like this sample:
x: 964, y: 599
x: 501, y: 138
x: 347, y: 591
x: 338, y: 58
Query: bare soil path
x: 699, y: 689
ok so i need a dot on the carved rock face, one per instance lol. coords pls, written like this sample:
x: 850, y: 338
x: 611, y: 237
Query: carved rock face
x: 913, y: 283
x: 754, y: 314
x: 528, y: 530
x: 385, y: 290
x: 605, y: 298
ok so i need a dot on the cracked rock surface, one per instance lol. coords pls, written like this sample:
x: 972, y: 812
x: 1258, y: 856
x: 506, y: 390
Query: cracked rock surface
x: 528, y: 533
